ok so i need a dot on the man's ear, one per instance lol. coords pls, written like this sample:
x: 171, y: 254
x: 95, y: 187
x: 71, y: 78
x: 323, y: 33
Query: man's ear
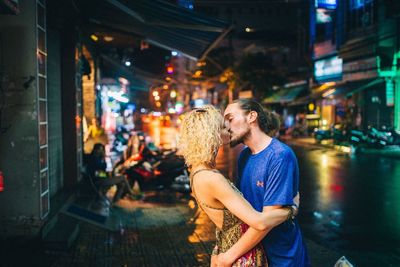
x: 252, y: 116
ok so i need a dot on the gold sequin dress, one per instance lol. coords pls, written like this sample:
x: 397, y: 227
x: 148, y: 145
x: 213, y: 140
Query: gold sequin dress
x: 232, y: 229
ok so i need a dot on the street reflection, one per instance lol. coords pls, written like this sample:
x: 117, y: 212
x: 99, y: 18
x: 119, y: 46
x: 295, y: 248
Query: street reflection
x: 324, y: 181
x: 352, y: 201
x: 391, y: 206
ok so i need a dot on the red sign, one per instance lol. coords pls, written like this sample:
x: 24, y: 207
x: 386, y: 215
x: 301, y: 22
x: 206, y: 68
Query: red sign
x: 1, y: 182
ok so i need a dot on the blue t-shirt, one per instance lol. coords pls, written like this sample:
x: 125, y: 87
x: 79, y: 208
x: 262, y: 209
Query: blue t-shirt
x: 271, y: 178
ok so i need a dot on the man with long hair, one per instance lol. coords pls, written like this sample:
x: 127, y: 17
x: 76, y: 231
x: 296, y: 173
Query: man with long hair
x: 268, y: 177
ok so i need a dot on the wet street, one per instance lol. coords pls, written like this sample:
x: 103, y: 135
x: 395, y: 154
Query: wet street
x: 350, y: 204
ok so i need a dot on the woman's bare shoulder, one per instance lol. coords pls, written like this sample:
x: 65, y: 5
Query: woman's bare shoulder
x: 210, y: 179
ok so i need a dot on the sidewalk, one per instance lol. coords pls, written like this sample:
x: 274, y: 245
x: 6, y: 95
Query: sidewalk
x: 167, y: 229
x: 310, y: 141
x: 389, y: 151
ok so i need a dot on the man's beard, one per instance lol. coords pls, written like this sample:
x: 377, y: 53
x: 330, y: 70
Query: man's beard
x: 240, y: 139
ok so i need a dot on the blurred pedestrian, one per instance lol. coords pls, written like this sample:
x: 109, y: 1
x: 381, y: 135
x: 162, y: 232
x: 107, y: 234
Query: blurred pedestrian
x: 268, y: 177
x: 94, y: 134
x: 200, y: 139
x: 96, y: 169
x: 94, y: 130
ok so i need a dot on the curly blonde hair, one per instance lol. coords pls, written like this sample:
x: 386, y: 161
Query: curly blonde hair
x: 200, y: 136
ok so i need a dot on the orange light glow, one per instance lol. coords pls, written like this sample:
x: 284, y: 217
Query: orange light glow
x: 197, y: 73
x: 78, y: 121
x: 108, y: 38
x: 170, y: 69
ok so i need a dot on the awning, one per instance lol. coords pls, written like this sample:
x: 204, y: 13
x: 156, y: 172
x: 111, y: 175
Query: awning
x: 335, y: 90
x: 161, y: 23
x: 353, y: 89
x: 284, y: 95
x: 348, y: 89
x: 139, y: 79
x: 317, y: 92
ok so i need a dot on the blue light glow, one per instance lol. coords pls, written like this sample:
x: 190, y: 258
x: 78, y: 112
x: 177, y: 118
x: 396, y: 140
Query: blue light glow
x: 328, y: 4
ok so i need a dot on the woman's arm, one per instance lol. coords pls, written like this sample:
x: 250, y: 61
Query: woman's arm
x: 246, y: 242
x: 219, y: 188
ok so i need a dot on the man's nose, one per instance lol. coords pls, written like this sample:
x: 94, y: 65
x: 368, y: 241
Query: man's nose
x: 226, y: 126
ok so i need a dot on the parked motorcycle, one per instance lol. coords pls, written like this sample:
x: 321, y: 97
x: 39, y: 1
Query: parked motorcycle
x: 152, y: 169
x: 322, y: 133
x: 335, y: 132
x: 374, y: 138
x: 339, y: 134
x: 182, y: 183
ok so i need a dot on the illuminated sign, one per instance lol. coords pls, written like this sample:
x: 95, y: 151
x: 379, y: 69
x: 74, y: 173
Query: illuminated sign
x: 355, y: 4
x: 328, y: 4
x: 324, y: 16
x: 329, y: 69
x: 389, y: 93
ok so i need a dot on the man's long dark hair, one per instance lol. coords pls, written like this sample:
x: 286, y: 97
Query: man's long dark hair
x: 267, y: 121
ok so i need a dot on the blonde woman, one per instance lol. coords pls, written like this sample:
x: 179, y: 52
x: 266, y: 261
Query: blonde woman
x: 200, y: 139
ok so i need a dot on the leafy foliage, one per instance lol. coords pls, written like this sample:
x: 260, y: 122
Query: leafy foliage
x: 260, y: 72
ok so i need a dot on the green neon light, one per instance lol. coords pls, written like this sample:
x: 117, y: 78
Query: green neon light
x: 389, y: 93
x: 392, y: 77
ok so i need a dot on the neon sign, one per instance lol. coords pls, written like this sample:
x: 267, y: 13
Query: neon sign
x: 329, y: 69
x: 328, y: 4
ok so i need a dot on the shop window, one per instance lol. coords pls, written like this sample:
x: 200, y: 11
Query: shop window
x: 43, y: 158
x: 41, y: 57
x: 44, y: 185
x: 43, y: 135
x: 45, y: 203
x: 41, y: 16
x: 42, y: 88
x: 42, y: 111
x: 41, y: 40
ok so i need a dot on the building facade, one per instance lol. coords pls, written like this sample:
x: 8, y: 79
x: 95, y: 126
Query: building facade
x: 354, y: 78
